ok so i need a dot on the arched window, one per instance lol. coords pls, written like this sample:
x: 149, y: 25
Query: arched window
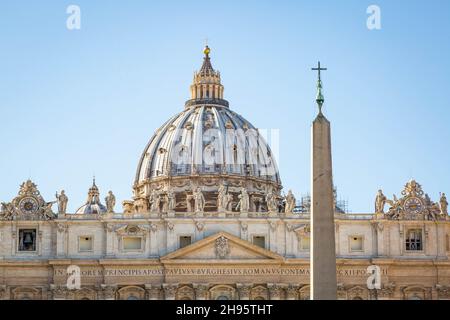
x: 222, y: 292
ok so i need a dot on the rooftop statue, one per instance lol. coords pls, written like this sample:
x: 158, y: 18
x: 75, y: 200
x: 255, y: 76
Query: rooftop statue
x: 443, y: 204
x: 62, y: 200
x: 110, y: 201
x: 380, y: 201
x: 290, y: 202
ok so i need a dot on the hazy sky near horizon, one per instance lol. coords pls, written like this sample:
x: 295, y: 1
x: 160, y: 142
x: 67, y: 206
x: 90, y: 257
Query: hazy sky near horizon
x: 84, y: 102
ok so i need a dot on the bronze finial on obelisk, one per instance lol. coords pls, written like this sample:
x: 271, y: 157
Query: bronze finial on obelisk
x: 319, y: 97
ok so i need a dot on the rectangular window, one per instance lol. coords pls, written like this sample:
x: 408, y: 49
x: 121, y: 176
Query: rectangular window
x: 259, y: 241
x: 185, y: 241
x: 305, y: 243
x: 414, y: 240
x: 132, y: 243
x: 85, y: 243
x: 356, y: 243
x: 27, y: 240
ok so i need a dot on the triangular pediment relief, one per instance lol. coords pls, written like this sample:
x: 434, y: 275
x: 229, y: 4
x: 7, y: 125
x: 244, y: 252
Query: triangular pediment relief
x: 222, y: 246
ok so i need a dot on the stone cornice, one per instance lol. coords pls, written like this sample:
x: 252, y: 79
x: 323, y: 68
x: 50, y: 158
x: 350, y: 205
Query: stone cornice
x: 206, y: 102
x: 221, y: 262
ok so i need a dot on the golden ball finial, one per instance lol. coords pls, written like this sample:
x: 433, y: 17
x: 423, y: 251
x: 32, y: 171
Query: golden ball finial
x: 207, y: 50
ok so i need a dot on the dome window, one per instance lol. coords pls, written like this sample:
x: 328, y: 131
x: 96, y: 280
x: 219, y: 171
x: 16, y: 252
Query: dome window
x: 189, y: 125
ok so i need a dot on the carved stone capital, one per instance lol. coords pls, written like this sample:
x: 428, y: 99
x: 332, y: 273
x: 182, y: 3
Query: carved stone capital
x: 273, y: 225
x: 108, y: 227
x: 153, y: 227
x: 2, y: 292
x: 199, y: 225
x: 276, y: 290
x: 201, y: 290
x: 244, y: 290
x: 62, y: 227
x: 108, y: 291
x: 443, y: 291
x: 153, y: 291
x: 170, y: 290
x: 292, y: 291
x: 58, y: 292
x: 341, y: 292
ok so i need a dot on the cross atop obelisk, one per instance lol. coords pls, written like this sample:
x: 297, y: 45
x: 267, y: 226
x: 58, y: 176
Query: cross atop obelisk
x: 318, y: 69
x: 319, y: 98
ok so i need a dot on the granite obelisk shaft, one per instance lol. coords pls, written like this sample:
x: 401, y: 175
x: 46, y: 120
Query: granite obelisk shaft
x: 323, y: 251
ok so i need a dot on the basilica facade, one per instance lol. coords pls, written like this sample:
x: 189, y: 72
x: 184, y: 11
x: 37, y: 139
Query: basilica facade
x: 208, y: 220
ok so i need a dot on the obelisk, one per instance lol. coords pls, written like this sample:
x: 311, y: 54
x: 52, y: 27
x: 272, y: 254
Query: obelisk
x: 323, y: 251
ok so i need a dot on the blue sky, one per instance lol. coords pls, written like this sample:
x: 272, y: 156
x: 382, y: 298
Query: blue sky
x: 75, y: 103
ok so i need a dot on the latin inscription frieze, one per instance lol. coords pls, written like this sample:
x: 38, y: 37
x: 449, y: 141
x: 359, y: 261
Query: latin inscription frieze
x: 210, y: 271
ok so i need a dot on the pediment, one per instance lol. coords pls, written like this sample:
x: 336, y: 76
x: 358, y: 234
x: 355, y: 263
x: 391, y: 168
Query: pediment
x: 222, y: 246
x: 132, y: 230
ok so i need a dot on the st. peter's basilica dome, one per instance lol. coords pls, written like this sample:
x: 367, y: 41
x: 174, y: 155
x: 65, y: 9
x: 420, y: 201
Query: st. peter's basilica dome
x: 205, y: 146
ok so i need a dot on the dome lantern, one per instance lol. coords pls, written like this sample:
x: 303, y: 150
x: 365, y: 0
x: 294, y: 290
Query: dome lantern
x: 206, y: 85
x: 93, y: 204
